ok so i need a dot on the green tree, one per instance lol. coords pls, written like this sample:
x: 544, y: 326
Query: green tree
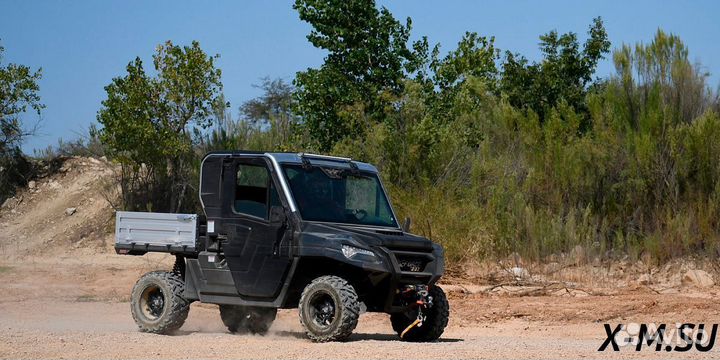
x: 563, y: 75
x: 19, y: 93
x: 474, y: 58
x: 272, y: 111
x: 661, y: 104
x: 662, y: 66
x: 151, y: 123
x: 367, y: 58
x: 265, y: 122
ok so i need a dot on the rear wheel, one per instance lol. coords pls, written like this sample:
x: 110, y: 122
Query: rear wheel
x: 435, y: 321
x: 157, y: 304
x: 247, y: 319
x: 329, y: 309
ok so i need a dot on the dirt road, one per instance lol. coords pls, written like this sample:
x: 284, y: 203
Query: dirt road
x: 76, y: 307
x: 105, y: 330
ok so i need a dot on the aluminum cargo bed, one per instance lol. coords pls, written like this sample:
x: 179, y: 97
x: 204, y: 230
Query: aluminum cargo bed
x: 137, y: 233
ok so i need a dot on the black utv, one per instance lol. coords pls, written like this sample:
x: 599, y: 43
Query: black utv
x: 287, y: 230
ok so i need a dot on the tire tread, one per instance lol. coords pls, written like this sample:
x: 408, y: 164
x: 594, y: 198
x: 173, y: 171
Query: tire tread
x: 350, y: 308
x: 175, y: 315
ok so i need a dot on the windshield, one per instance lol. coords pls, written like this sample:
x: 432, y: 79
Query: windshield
x: 337, y: 195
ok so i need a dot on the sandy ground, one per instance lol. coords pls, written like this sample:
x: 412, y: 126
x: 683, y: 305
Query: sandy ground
x: 65, y: 295
x: 76, y: 307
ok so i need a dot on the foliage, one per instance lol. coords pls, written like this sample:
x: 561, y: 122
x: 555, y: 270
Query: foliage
x: 150, y: 125
x: 475, y: 57
x: 367, y: 55
x: 661, y: 68
x: 639, y: 180
x: 19, y: 93
x: 266, y: 122
x: 272, y: 111
x: 562, y: 76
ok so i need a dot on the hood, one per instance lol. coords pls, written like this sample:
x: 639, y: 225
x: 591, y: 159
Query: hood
x: 393, y: 239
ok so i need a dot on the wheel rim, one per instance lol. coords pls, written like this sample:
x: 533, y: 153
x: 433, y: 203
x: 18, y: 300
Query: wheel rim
x: 322, y: 310
x: 152, y: 302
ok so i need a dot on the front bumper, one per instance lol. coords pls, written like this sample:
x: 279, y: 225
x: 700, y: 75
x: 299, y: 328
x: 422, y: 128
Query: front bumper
x: 405, y: 271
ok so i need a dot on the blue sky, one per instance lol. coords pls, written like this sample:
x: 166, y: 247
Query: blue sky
x: 82, y: 45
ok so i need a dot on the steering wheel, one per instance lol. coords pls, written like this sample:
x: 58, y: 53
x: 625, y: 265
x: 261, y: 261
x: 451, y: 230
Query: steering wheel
x: 360, y: 214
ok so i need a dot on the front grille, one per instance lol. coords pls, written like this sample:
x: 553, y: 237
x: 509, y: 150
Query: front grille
x: 411, y: 264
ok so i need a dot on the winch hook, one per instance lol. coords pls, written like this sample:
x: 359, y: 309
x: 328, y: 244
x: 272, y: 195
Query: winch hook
x: 418, y: 322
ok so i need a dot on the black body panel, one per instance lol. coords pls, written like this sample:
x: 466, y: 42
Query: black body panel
x: 383, y: 274
x: 252, y: 248
x: 212, y: 282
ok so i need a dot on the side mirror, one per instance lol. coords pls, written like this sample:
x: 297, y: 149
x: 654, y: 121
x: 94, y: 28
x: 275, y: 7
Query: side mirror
x: 277, y: 214
x: 406, y: 225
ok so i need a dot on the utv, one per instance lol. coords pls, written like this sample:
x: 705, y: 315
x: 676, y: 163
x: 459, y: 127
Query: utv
x: 286, y: 230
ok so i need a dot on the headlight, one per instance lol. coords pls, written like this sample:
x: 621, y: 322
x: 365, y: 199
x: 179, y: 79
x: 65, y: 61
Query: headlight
x: 350, y: 251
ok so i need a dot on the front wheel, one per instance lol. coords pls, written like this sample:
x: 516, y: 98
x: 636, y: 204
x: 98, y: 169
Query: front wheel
x: 157, y: 304
x: 329, y: 309
x: 435, y: 321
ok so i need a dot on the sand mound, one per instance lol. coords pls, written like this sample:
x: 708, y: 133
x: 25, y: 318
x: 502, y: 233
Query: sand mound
x: 66, y: 212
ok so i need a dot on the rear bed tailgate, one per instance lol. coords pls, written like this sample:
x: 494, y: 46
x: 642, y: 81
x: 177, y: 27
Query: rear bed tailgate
x: 139, y: 232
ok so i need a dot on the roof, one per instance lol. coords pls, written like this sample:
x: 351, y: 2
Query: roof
x: 297, y: 158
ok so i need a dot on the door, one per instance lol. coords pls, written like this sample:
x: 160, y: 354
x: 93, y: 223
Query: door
x: 252, y: 251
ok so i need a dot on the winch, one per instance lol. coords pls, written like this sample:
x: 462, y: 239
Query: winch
x: 417, y: 299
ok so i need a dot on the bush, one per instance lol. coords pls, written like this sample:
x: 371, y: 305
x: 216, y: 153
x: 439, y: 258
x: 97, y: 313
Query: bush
x: 490, y: 180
